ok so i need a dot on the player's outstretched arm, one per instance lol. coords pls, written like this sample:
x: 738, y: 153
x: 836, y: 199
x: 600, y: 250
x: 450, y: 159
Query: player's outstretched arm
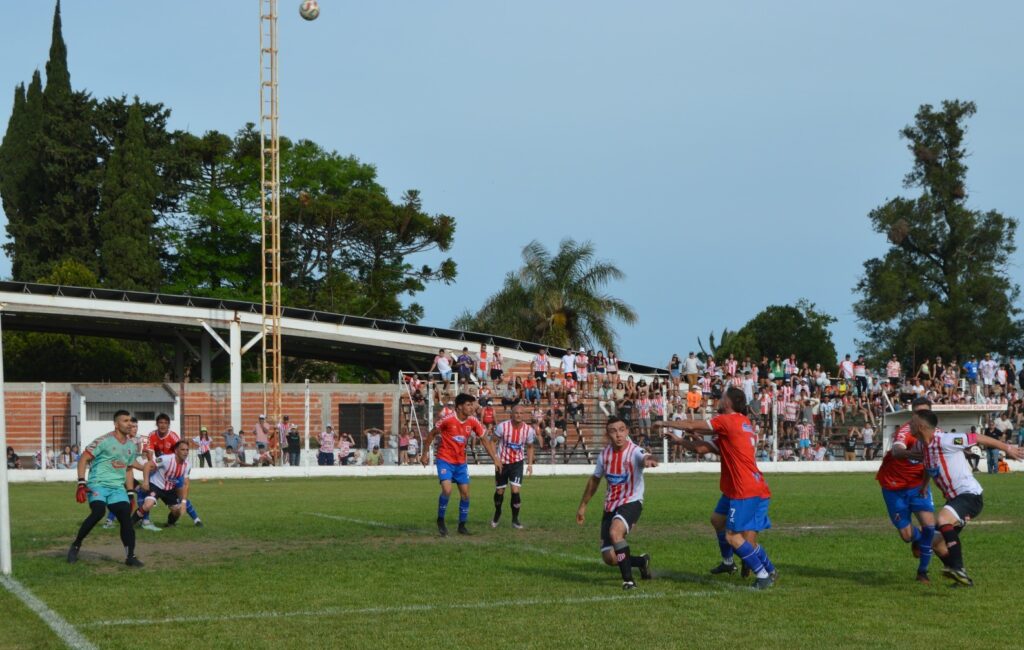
x: 650, y: 460
x: 588, y: 492
x: 1012, y: 451
x: 693, y: 426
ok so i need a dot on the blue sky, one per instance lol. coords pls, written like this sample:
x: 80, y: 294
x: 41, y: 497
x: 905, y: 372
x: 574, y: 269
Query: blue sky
x: 724, y: 155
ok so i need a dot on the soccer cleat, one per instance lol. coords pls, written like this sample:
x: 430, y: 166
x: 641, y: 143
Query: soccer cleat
x: 108, y: 523
x: 199, y: 523
x: 627, y: 585
x: 645, y: 568
x: 442, y: 530
x: 72, y: 554
x: 724, y: 568
x: 959, y: 576
x: 135, y: 562
x: 463, y: 530
x: 149, y: 525
x: 494, y: 524
x: 922, y: 577
x: 915, y: 549
x: 170, y: 524
x: 517, y: 525
x: 763, y: 583
x: 744, y: 570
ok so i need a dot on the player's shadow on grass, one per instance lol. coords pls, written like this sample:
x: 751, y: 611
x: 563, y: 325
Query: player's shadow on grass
x: 860, y: 577
x: 586, y: 574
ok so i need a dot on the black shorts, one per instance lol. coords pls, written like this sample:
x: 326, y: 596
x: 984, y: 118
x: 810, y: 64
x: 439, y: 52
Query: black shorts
x: 540, y: 375
x: 629, y: 513
x: 496, y: 374
x: 966, y: 506
x: 510, y: 473
x: 169, y: 497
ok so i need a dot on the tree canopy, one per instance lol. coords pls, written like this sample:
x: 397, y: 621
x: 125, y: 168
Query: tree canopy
x: 783, y: 330
x: 942, y: 287
x: 558, y: 299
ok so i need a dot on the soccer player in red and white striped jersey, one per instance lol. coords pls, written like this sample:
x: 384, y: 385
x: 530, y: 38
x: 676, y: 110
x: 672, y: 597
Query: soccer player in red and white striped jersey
x: 622, y: 465
x: 514, y: 436
x: 160, y: 479
x: 944, y: 461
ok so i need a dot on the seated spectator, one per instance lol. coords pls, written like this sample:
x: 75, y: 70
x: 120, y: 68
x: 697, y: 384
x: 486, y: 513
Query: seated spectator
x: 509, y: 396
x: 374, y: 457
x: 821, y: 451
x: 13, y: 462
x: 230, y: 458
x: 65, y: 459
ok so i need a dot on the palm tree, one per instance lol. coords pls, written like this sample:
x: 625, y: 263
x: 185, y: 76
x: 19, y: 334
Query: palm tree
x: 556, y: 299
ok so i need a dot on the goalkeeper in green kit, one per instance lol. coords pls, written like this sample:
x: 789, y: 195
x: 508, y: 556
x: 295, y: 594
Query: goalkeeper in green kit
x: 108, y: 459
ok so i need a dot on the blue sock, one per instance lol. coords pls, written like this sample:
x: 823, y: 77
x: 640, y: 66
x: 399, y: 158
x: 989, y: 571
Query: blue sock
x: 725, y: 548
x: 463, y: 510
x: 110, y: 516
x: 763, y: 556
x: 442, y: 505
x: 915, y: 534
x: 927, y: 535
x: 749, y: 555
x: 190, y: 510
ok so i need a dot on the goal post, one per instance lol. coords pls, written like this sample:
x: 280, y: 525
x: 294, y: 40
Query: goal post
x: 5, y: 502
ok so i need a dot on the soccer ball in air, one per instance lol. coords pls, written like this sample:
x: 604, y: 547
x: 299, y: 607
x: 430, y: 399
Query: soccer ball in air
x: 309, y: 9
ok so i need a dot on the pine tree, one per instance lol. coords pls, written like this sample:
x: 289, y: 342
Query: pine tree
x: 21, y: 184
x: 128, y: 256
x: 62, y: 226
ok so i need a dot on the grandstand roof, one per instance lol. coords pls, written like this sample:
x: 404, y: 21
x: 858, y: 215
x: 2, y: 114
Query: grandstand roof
x: 306, y: 333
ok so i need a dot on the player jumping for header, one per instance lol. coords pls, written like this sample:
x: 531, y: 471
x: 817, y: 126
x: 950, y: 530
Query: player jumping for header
x: 108, y: 459
x: 622, y: 465
x: 455, y: 431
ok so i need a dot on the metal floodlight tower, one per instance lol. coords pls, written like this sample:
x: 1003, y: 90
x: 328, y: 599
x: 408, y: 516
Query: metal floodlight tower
x: 270, y: 211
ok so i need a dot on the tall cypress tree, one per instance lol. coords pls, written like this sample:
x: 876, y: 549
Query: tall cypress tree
x: 21, y: 183
x: 128, y: 256
x: 63, y: 225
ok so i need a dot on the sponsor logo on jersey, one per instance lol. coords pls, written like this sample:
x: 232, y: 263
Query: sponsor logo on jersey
x: 459, y: 439
x: 616, y: 479
x: 118, y: 464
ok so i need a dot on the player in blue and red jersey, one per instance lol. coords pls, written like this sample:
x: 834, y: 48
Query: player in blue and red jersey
x: 745, y: 494
x: 455, y: 431
x: 622, y: 465
x: 901, y: 476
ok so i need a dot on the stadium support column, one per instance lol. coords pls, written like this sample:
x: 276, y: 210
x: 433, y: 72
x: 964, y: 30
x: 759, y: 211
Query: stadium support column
x: 43, y: 456
x: 5, y: 509
x: 206, y: 375
x: 235, y: 351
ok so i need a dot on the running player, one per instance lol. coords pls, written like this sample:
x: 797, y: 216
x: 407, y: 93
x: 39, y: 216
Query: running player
x: 140, y: 451
x: 900, y: 476
x: 745, y: 494
x: 455, y: 431
x: 160, y: 482
x: 108, y: 459
x: 162, y: 442
x: 944, y: 461
x: 512, y: 435
x: 622, y: 465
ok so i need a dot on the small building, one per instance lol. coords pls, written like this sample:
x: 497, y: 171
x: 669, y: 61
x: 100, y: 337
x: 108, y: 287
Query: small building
x: 94, y: 406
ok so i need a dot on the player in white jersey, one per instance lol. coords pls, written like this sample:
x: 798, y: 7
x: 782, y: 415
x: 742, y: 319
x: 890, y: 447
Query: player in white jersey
x: 513, y: 436
x: 160, y: 479
x: 944, y: 461
x: 622, y: 465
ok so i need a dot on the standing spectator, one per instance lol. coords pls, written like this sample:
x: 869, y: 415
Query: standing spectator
x: 262, y: 433
x: 992, y: 453
x: 569, y: 365
x: 372, y: 436
x: 497, y: 364
x: 282, y: 431
x: 893, y: 370
x: 583, y: 372
x: 443, y: 363
x: 691, y: 368
x: 612, y: 366
x: 971, y: 370
x: 987, y: 370
x: 539, y: 365
x: 403, y: 447
x: 464, y: 366
x: 850, y: 445
x: 236, y: 442
x: 482, y: 364
x: 203, y: 447
x: 860, y: 371
x: 292, y: 440
x: 868, y: 436
x: 326, y: 454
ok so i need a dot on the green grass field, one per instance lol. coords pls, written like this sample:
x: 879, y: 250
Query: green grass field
x: 356, y: 563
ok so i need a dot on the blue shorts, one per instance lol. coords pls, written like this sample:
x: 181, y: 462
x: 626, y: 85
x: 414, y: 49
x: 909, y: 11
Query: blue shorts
x: 901, y: 503
x: 722, y: 507
x: 748, y: 514
x: 458, y: 474
x: 446, y: 375
x: 108, y: 495
x: 805, y: 443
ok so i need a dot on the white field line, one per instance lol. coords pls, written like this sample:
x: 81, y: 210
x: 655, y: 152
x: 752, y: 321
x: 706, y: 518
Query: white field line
x: 64, y: 630
x: 403, y: 609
